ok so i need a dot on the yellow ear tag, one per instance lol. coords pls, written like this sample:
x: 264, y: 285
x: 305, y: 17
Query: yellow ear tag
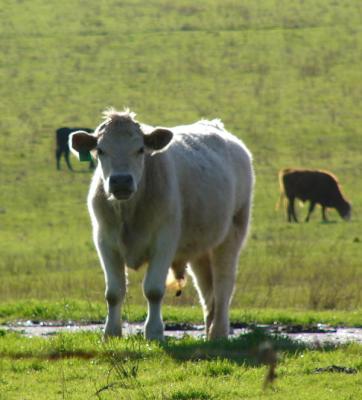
x: 85, y: 156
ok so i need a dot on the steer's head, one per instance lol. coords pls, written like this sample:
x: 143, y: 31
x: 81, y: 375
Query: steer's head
x: 120, y: 145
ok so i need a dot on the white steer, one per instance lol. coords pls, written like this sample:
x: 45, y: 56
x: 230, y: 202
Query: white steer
x: 171, y: 198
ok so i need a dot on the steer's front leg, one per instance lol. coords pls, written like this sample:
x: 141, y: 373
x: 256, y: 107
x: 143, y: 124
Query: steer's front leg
x: 154, y: 286
x: 115, y: 279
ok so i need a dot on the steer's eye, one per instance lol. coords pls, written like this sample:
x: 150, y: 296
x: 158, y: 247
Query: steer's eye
x: 141, y: 150
x: 100, y: 152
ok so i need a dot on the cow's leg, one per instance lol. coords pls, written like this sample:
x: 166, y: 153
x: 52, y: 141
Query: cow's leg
x: 58, y: 154
x: 67, y: 160
x: 289, y: 214
x: 115, y: 279
x: 324, y: 214
x: 310, y: 210
x: 224, y: 261
x: 202, y: 276
x: 291, y: 210
x: 155, y: 281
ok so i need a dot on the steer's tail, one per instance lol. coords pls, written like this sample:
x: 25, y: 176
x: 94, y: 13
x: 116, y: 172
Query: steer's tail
x: 176, y: 278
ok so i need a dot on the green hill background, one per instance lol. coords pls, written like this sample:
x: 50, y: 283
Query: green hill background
x: 284, y: 76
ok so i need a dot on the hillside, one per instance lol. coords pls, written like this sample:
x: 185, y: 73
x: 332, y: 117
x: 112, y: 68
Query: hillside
x: 286, y: 77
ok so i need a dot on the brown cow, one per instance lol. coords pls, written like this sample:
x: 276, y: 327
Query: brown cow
x: 316, y: 186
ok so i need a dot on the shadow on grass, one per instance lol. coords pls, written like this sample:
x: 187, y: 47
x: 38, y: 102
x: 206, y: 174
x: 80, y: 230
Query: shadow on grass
x: 253, y: 348
x: 328, y: 222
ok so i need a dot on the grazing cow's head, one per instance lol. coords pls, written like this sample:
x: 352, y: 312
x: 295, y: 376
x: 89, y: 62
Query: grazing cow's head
x: 120, y: 145
x: 345, y: 210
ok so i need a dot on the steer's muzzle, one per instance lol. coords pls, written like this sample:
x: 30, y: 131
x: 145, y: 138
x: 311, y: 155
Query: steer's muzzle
x: 121, y: 186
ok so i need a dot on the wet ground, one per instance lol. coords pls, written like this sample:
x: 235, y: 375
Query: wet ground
x: 314, y: 335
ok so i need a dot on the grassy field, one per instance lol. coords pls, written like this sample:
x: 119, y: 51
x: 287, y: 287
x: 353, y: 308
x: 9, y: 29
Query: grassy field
x: 285, y: 76
x: 81, y: 366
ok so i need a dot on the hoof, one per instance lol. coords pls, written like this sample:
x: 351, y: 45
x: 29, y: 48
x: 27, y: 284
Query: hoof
x: 154, y: 335
x: 115, y: 331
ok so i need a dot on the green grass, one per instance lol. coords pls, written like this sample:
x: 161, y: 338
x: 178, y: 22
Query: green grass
x: 79, y: 366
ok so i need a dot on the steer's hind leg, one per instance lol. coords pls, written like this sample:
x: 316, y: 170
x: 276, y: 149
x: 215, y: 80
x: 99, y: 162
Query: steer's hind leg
x: 224, y: 261
x: 202, y: 276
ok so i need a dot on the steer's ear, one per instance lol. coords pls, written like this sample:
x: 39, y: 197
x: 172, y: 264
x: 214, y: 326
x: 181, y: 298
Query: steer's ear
x: 158, y: 139
x: 81, y: 143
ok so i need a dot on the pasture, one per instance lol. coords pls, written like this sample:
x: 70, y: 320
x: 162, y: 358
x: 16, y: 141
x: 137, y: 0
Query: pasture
x: 285, y: 77
x: 81, y: 366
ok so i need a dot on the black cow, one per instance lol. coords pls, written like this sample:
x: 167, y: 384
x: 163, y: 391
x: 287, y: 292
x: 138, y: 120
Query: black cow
x: 316, y: 186
x: 62, y: 135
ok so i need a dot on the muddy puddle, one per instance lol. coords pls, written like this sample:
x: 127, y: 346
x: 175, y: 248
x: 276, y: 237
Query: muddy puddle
x: 314, y: 335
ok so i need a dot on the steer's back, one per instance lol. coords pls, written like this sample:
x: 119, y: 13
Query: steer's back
x: 215, y: 178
